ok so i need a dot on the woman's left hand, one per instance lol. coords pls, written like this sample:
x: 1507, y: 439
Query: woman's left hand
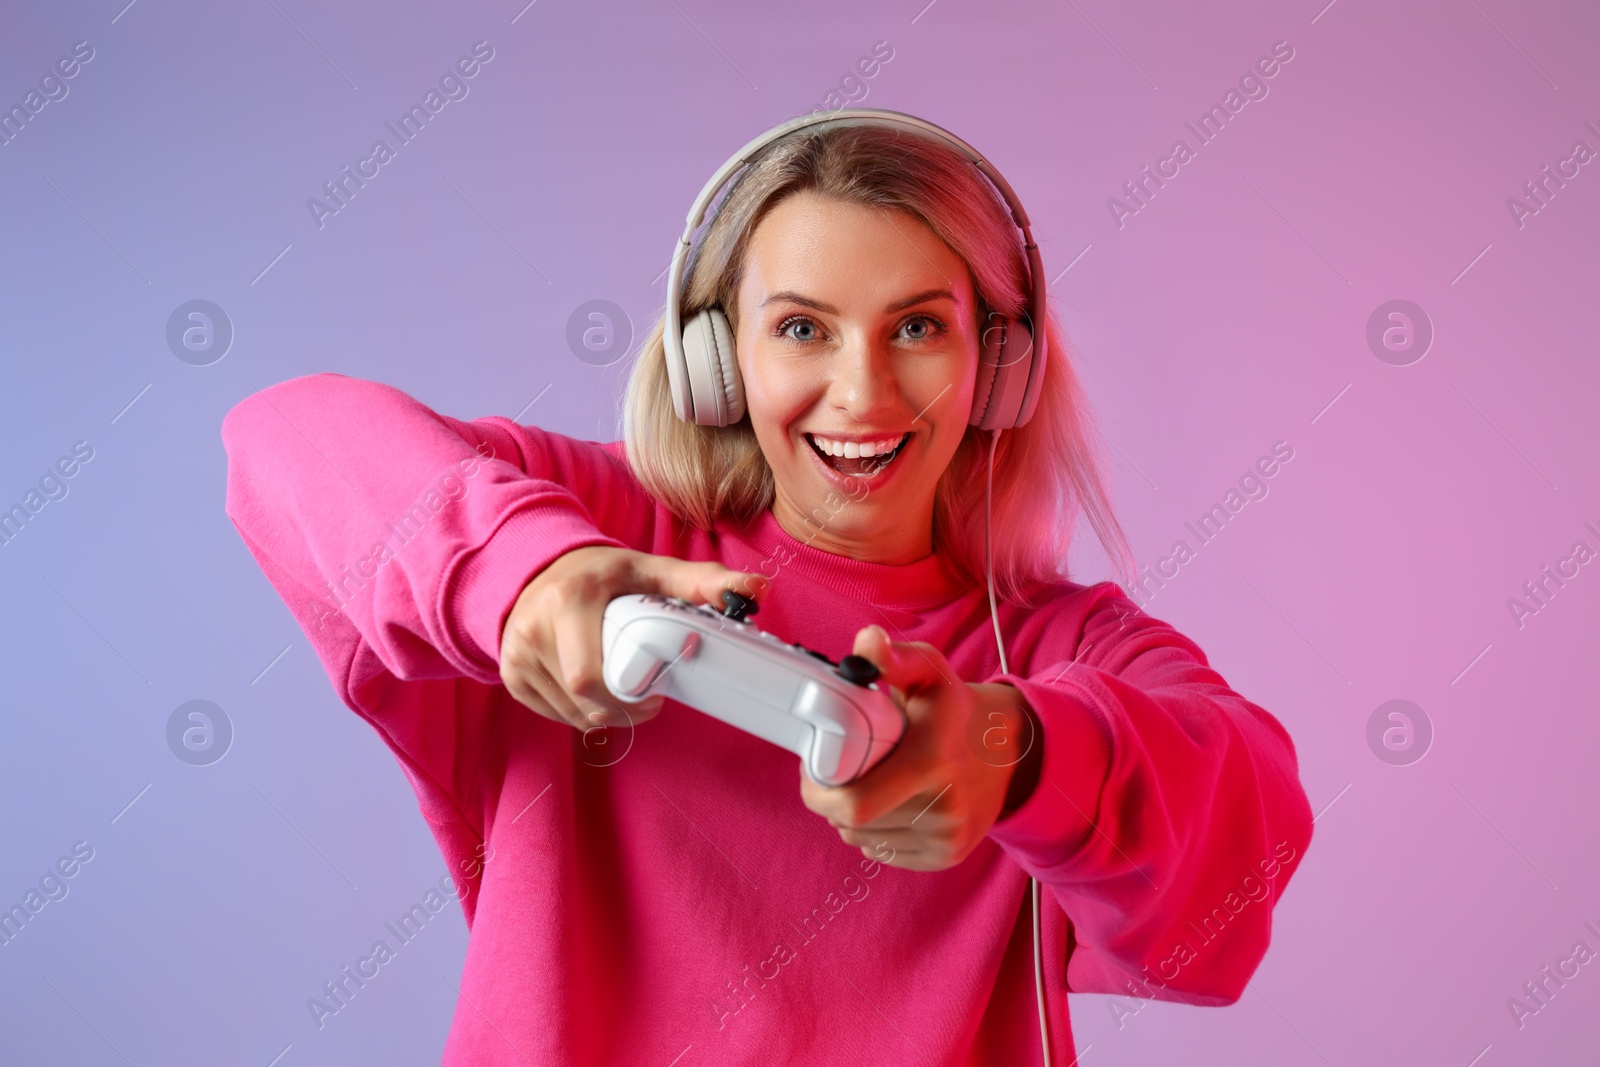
x: 934, y: 798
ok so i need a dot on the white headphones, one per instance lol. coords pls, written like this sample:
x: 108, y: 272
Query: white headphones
x: 704, y: 375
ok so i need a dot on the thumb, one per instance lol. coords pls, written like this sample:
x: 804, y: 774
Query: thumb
x: 698, y: 583
x: 907, y: 666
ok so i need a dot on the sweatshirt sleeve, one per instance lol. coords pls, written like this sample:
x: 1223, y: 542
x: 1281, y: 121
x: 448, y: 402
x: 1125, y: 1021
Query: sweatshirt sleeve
x: 1168, y: 815
x: 400, y: 538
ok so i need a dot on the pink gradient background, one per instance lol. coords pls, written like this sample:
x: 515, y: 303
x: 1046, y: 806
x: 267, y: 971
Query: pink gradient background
x: 1225, y: 316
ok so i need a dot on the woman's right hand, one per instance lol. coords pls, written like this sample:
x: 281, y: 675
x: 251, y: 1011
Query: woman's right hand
x: 550, y: 652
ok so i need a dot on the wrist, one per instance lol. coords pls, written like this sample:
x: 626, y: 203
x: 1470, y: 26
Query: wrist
x: 1025, y: 772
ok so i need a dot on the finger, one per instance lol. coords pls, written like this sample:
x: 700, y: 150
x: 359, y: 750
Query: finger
x: 518, y: 673
x: 929, y: 810
x: 892, y: 842
x: 915, y: 860
x: 911, y: 856
x: 581, y: 675
x: 551, y: 692
x: 597, y: 718
x: 872, y: 800
x: 524, y: 694
x: 873, y: 643
x: 919, y: 813
x: 538, y: 697
x: 910, y: 666
x: 698, y: 583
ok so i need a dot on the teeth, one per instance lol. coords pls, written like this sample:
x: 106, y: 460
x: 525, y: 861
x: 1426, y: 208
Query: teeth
x: 857, y: 449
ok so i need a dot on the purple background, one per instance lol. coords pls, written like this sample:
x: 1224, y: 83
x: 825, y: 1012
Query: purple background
x: 1228, y: 314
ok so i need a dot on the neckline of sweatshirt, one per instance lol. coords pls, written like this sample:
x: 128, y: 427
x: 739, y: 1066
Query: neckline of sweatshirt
x: 922, y: 585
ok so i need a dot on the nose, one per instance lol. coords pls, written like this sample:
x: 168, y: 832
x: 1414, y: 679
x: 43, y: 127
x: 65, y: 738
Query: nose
x: 864, y: 382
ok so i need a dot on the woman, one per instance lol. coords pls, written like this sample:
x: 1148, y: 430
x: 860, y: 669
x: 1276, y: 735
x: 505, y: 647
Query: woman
x: 645, y: 884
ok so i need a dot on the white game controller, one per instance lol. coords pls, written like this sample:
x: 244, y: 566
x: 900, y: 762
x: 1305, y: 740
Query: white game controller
x: 832, y: 715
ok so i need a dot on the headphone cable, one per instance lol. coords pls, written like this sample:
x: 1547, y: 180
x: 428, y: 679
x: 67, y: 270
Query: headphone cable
x: 1005, y: 668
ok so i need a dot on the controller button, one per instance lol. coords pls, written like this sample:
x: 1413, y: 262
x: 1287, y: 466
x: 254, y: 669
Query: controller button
x: 819, y: 655
x: 736, y: 607
x: 858, y: 670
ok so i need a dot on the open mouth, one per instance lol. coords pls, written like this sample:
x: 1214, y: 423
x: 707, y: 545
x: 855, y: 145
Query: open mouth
x: 858, y: 459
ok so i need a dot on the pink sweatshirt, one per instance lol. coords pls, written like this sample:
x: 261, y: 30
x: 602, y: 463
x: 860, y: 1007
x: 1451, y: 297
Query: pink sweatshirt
x: 660, y: 895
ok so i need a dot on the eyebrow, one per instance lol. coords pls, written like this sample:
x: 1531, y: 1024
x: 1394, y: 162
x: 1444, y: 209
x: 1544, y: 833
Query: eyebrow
x: 899, y: 305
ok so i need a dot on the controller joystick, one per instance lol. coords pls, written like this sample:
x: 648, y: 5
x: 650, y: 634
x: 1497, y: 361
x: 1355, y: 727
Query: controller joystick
x: 736, y: 606
x: 836, y: 718
x: 857, y: 670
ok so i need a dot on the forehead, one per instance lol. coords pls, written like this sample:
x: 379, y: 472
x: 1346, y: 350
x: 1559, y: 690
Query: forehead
x: 847, y: 254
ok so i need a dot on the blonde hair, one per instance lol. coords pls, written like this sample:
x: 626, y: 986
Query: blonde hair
x: 1044, y: 471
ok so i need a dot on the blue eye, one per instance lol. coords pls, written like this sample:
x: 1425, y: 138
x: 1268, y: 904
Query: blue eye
x: 933, y: 327
x: 788, y: 324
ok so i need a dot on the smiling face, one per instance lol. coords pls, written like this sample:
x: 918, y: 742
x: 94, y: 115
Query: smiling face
x: 858, y: 347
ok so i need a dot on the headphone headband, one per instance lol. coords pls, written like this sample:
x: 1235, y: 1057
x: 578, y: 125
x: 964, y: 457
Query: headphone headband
x: 864, y: 116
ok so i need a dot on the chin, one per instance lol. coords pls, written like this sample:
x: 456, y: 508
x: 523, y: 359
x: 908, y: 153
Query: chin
x: 846, y: 513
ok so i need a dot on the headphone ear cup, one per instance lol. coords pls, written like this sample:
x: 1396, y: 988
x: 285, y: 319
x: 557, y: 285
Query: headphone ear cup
x: 715, y: 392
x: 1004, y: 361
x: 990, y: 345
x: 678, y: 376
